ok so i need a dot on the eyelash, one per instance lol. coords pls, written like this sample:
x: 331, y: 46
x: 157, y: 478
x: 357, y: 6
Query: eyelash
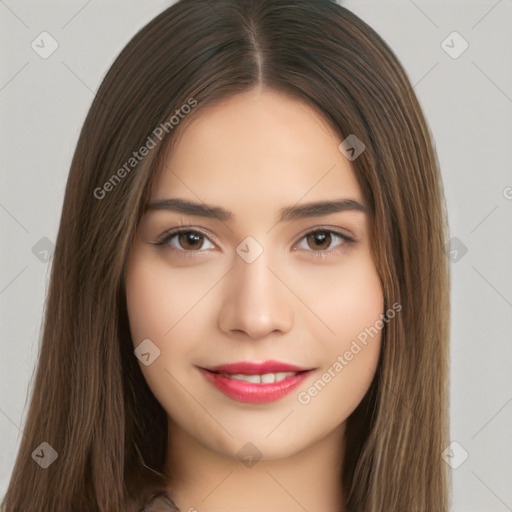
x: 168, y: 235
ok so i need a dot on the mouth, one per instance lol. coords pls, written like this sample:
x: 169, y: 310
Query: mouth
x: 256, y: 382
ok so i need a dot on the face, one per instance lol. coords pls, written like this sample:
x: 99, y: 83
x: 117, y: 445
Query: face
x: 289, y: 293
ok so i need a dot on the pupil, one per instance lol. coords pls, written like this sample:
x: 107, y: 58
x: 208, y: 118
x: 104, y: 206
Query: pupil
x: 191, y: 238
x: 320, y: 237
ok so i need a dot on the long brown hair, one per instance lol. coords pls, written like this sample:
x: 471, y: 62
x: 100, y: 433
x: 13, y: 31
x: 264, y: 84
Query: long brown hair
x: 90, y: 402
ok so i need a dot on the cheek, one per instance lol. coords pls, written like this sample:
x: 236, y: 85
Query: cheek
x: 146, y: 300
x: 351, y: 304
x: 158, y: 298
x: 166, y: 306
x: 156, y: 312
x: 361, y: 301
x: 359, y: 327
x: 346, y: 299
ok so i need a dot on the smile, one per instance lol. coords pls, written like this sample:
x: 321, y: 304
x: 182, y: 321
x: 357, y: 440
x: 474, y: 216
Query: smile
x: 267, y: 378
x: 252, y: 387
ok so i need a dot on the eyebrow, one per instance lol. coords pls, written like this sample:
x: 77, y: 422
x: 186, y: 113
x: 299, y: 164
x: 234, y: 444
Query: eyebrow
x: 289, y: 213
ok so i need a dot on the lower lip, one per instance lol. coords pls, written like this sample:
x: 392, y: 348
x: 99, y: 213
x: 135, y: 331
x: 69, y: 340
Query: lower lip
x: 254, y: 393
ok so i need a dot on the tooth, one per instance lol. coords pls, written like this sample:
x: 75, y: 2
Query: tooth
x: 267, y: 378
x: 255, y: 379
x: 237, y: 376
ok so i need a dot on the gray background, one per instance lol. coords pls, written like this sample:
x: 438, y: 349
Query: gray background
x: 467, y: 101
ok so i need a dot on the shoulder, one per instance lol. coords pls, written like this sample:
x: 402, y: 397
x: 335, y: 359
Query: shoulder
x: 160, y: 503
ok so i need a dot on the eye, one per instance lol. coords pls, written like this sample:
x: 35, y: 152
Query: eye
x: 322, y: 239
x: 191, y: 241
x: 185, y: 239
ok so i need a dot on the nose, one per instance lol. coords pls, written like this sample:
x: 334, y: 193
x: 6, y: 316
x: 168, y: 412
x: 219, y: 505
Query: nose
x: 256, y: 300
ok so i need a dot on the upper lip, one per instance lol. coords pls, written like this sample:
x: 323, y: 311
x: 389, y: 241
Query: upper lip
x: 253, y: 368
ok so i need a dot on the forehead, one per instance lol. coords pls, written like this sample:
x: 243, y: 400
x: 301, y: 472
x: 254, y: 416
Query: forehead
x: 259, y: 147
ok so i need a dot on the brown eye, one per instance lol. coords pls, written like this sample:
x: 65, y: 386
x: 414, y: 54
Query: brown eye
x: 186, y: 240
x: 319, y: 240
x: 322, y: 242
x: 190, y: 240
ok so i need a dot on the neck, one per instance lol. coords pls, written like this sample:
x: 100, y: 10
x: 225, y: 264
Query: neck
x: 205, y: 480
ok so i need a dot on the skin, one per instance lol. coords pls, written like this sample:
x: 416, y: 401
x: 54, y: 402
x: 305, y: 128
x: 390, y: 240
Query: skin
x: 254, y: 154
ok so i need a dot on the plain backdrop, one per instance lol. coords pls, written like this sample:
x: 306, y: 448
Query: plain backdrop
x: 466, y: 94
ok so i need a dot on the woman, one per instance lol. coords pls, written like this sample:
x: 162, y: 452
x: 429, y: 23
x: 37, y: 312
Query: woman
x: 248, y: 307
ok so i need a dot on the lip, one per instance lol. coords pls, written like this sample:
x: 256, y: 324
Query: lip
x: 249, y: 392
x: 252, y: 368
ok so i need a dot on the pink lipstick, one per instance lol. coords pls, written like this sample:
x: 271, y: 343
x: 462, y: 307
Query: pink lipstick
x: 256, y: 382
